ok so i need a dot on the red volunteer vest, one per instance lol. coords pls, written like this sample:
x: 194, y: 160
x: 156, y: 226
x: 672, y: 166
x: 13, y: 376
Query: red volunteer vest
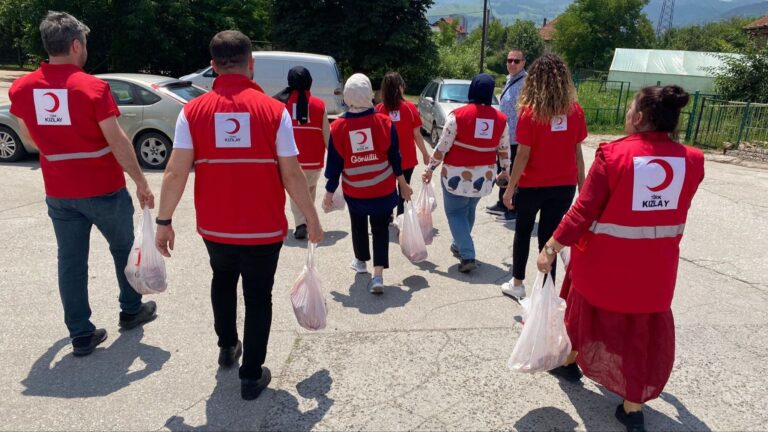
x: 239, y: 195
x: 62, y: 106
x: 405, y: 122
x: 478, y: 132
x: 628, y: 261
x: 363, y: 143
x: 309, y: 136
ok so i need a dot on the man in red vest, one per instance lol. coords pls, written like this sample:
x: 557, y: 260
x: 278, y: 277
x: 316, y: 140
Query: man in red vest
x: 72, y: 119
x: 240, y: 142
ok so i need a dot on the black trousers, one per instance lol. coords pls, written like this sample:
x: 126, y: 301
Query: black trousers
x: 553, y: 203
x: 380, y: 231
x: 407, y: 173
x: 512, y: 154
x: 257, y: 265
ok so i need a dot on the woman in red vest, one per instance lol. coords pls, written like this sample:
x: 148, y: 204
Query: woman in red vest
x: 548, y: 165
x: 311, y: 132
x: 625, y: 231
x: 472, y: 138
x: 406, y: 119
x: 363, y: 151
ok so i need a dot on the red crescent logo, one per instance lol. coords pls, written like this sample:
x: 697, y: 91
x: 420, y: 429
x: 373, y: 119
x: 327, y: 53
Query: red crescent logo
x: 485, y: 126
x: 365, y: 137
x: 560, y: 121
x: 56, y: 103
x: 669, y: 175
x: 237, y: 126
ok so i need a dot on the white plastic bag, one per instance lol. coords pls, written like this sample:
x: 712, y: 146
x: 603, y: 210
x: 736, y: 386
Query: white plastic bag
x: 307, y: 295
x: 146, y: 268
x: 338, y: 200
x: 426, y: 197
x: 411, y: 239
x: 543, y: 344
x: 424, y: 205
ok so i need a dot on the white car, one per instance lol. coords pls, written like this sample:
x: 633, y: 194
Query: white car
x: 439, y: 98
x: 270, y: 71
x: 149, y: 106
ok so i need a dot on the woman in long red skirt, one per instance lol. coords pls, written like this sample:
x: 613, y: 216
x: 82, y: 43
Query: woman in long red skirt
x: 625, y: 230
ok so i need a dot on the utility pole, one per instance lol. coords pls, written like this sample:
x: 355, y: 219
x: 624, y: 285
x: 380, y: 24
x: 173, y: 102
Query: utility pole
x: 485, y: 35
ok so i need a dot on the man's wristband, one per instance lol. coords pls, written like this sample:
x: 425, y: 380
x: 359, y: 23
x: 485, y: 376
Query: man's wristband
x: 164, y: 222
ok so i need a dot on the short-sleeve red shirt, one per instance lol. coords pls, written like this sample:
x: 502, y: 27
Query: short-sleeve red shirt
x: 62, y: 106
x: 406, y: 119
x: 553, y: 148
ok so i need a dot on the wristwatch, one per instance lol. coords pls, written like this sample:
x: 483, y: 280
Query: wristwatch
x: 549, y: 250
x: 163, y: 222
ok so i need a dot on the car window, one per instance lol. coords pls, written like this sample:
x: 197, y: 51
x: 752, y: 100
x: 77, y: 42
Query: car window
x: 210, y: 73
x: 147, y: 97
x: 458, y: 93
x: 184, y: 90
x: 431, y: 90
x: 122, y: 92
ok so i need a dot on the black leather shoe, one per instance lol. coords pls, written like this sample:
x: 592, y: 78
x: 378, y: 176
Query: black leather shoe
x: 467, y: 265
x: 634, y: 421
x: 455, y: 252
x: 251, y: 389
x: 301, y: 232
x: 144, y: 315
x: 570, y: 373
x: 228, y: 356
x: 84, y: 345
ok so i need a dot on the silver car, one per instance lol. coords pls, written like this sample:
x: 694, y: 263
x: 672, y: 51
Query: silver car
x: 149, y: 106
x: 439, y: 98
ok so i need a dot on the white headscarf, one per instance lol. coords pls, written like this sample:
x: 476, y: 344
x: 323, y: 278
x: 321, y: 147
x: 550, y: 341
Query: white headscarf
x: 358, y: 93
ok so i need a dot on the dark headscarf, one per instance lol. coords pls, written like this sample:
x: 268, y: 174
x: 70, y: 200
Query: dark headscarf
x: 299, y: 80
x: 481, y: 89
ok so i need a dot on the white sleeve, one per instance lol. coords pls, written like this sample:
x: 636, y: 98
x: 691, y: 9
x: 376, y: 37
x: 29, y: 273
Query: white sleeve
x: 286, y: 144
x: 183, y: 137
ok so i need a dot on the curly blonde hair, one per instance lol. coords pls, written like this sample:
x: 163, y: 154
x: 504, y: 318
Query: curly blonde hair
x: 548, y: 90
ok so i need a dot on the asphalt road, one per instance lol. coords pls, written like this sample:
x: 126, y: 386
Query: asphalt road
x: 429, y: 354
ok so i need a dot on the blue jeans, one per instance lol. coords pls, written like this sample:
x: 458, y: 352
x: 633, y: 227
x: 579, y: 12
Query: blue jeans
x: 460, y: 211
x: 72, y: 221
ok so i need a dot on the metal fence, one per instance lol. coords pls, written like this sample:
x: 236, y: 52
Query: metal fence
x: 730, y: 125
x: 604, y: 102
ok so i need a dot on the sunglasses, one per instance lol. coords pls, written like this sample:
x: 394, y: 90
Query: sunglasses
x: 515, y: 61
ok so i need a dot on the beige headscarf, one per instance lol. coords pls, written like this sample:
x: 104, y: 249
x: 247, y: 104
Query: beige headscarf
x: 358, y: 93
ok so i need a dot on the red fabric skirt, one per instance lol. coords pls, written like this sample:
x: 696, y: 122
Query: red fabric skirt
x: 629, y: 354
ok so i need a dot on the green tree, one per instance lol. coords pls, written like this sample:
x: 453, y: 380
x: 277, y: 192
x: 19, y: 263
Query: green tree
x: 721, y: 36
x: 460, y: 60
x: 588, y: 32
x: 743, y: 77
x: 368, y: 36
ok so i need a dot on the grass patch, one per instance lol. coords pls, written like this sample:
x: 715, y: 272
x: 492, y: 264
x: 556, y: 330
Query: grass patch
x: 15, y: 67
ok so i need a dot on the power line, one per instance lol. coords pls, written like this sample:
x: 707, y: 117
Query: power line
x: 665, y: 18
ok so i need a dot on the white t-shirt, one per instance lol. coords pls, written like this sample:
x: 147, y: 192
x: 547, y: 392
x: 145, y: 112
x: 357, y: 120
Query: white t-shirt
x: 286, y: 145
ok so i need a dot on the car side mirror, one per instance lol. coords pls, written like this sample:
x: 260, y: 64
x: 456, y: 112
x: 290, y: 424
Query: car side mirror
x: 429, y: 99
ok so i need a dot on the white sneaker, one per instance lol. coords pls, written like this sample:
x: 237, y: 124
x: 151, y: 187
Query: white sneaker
x: 377, y: 285
x: 517, y: 292
x: 359, y: 266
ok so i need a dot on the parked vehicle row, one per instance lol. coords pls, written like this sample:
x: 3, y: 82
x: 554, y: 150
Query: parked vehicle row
x: 150, y: 104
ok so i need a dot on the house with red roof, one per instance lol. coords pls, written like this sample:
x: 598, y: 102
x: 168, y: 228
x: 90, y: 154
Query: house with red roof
x: 758, y: 30
x: 457, y: 23
x: 547, y: 32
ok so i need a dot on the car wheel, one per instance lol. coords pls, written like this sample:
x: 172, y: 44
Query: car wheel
x: 153, y: 150
x: 435, y: 135
x: 11, y: 148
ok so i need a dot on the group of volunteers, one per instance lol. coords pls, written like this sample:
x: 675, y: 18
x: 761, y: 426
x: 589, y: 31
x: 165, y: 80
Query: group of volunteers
x: 624, y: 229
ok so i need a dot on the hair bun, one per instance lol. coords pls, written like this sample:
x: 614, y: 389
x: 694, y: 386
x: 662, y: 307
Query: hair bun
x: 674, y: 96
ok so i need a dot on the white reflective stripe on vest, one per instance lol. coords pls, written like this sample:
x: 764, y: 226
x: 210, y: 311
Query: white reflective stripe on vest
x: 366, y: 169
x: 474, y: 148
x: 636, y: 233
x: 240, y: 235
x: 233, y: 161
x: 308, y: 127
x: 79, y: 155
x: 374, y: 181
x: 308, y: 164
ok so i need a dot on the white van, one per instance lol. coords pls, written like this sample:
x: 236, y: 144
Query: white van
x: 271, y: 73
